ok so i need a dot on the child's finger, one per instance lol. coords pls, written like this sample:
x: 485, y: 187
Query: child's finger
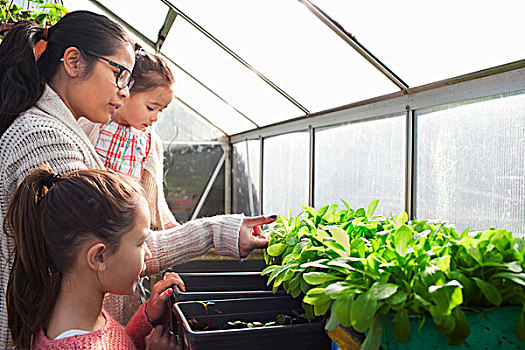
x: 147, y: 339
x: 167, y: 282
x: 163, y: 297
x: 160, y: 287
x: 152, y: 339
x: 174, y: 278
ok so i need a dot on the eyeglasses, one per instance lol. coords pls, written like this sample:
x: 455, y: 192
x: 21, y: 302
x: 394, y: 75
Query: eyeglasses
x: 123, y: 77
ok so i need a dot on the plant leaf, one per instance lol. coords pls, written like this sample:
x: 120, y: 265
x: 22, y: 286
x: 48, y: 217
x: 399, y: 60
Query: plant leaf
x: 317, y: 263
x: 319, y: 277
x: 447, y: 296
x: 518, y: 278
x: 315, y: 296
x: 401, y: 326
x: 341, y: 237
x: 489, y: 291
x: 310, y: 210
x: 332, y: 322
x: 444, y: 323
x: 462, y: 329
x: 276, y: 249
x: 363, y: 311
x: 382, y: 290
x: 343, y: 309
x: 337, y: 288
x: 372, y: 208
x: 402, y: 237
x: 373, y: 339
x: 401, y: 219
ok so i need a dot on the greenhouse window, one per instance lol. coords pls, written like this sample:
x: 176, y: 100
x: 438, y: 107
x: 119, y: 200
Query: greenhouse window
x: 471, y: 163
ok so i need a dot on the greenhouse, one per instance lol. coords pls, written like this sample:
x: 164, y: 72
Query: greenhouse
x: 363, y: 126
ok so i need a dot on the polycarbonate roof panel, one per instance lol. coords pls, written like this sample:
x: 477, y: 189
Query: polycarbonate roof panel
x: 423, y: 41
x: 218, y: 70
x: 145, y: 16
x: 289, y: 45
x: 208, y: 105
x: 74, y: 5
x: 178, y: 123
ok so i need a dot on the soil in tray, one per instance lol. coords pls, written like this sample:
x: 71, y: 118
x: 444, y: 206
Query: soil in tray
x: 282, y: 319
x: 199, y: 327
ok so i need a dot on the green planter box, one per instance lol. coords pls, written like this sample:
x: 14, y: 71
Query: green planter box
x: 498, y: 332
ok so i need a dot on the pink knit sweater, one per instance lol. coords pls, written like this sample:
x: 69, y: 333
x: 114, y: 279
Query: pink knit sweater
x: 110, y: 337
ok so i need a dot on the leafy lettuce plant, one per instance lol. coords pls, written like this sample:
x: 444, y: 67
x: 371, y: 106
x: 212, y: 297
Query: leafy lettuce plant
x: 361, y: 266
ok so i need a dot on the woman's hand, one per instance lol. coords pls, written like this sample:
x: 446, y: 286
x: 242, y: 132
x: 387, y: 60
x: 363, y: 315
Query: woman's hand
x: 250, y: 235
x: 161, y: 339
x: 156, y: 308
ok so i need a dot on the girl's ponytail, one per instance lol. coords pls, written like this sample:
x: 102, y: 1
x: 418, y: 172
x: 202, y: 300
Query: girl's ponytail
x: 34, y: 283
x: 20, y: 82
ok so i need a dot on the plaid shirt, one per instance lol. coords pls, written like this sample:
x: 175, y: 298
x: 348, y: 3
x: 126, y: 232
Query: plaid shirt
x: 123, y: 148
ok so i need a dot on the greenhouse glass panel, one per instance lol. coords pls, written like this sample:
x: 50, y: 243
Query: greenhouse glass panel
x: 424, y: 41
x: 75, y: 5
x: 285, y: 173
x: 208, y: 105
x: 187, y: 172
x: 360, y: 162
x: 293, y: 48
x: 179, y: 123
x: 471, y: 164
x: 145, y: 16
x: 215, y: 68
x: 214, y: 203
x: 246, y: 163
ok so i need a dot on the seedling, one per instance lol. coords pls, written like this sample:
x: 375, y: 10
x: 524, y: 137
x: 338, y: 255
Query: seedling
x: 242, y: 324
x: 205, y: 304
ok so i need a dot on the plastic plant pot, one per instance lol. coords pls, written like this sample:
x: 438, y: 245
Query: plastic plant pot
x: 221, y: 285
x: 307, y: 335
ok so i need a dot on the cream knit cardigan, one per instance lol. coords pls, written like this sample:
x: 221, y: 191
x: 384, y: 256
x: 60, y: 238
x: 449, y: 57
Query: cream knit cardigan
x: 49, y: 133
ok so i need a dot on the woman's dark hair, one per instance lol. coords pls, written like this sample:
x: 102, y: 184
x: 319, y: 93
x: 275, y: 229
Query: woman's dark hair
x: 49, y: 218
x: 150, y: 71
x: 22, y: 77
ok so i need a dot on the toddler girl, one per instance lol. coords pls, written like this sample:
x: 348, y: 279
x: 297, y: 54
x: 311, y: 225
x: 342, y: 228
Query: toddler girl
x: 77, y: 237
x: 128, y: 145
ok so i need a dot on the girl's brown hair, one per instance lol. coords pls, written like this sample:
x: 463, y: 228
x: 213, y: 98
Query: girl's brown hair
x: 150, y: 71
x: 49, y: 218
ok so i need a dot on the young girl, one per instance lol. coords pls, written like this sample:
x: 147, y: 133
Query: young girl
x: 128, y: 144
x: 77, y: 237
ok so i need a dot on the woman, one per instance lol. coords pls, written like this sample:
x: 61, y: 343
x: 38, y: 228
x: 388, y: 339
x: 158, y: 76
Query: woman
x: 85, y: 71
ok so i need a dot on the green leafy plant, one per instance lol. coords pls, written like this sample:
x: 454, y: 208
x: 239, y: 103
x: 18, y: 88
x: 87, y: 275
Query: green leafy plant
x: 360, y: 266
x: 38, y: 11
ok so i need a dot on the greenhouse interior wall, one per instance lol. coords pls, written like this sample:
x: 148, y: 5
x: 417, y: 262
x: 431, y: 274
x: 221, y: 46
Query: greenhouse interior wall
x: 452, y: 151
